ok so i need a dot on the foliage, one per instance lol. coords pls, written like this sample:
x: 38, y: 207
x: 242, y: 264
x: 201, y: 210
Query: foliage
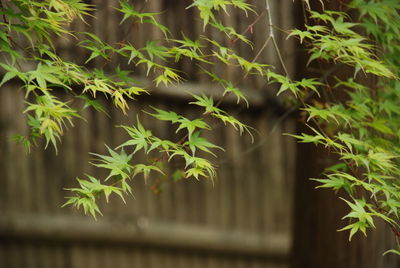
x: 362, y: 129
x: 26, y: 39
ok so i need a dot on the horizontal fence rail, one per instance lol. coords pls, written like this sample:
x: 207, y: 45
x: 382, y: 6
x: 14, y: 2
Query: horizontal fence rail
x: 144, y: 232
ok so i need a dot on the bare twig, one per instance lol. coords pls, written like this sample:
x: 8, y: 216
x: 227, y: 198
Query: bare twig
x: 262, y: 49
x: 251, y: 25
x: 272, y: 36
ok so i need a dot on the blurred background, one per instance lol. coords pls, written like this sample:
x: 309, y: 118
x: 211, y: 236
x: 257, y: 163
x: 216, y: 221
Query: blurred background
x: 262, y: 211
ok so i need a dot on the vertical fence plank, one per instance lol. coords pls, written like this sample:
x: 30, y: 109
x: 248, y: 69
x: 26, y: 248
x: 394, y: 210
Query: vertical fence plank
x: 12, y: 185
x: 4, y: 155
x: 3, y: 254
x: 79, y: 256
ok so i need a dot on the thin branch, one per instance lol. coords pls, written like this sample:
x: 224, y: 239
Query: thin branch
x: 261, y: 49
x: 125, y: 37
x: 295, y: 108
x: 268, y: 9
x: 272, y: 36
x: 251, y: 25
x: 280, y: 56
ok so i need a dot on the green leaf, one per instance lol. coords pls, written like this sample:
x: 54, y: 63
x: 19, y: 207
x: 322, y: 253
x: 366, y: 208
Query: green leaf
x: 165, y: 115
x: 196, y: 142
x: 117, y: 163
x: 145, y: 170
x: 140, y: 137
x: 192, y: 125
x: 8, y: 76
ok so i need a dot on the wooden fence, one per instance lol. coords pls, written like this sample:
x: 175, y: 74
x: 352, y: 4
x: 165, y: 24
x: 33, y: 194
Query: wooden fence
x: 243, y: 220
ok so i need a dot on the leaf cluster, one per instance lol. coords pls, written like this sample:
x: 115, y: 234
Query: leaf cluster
x: 363, y: 129
x: 27, y: 35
